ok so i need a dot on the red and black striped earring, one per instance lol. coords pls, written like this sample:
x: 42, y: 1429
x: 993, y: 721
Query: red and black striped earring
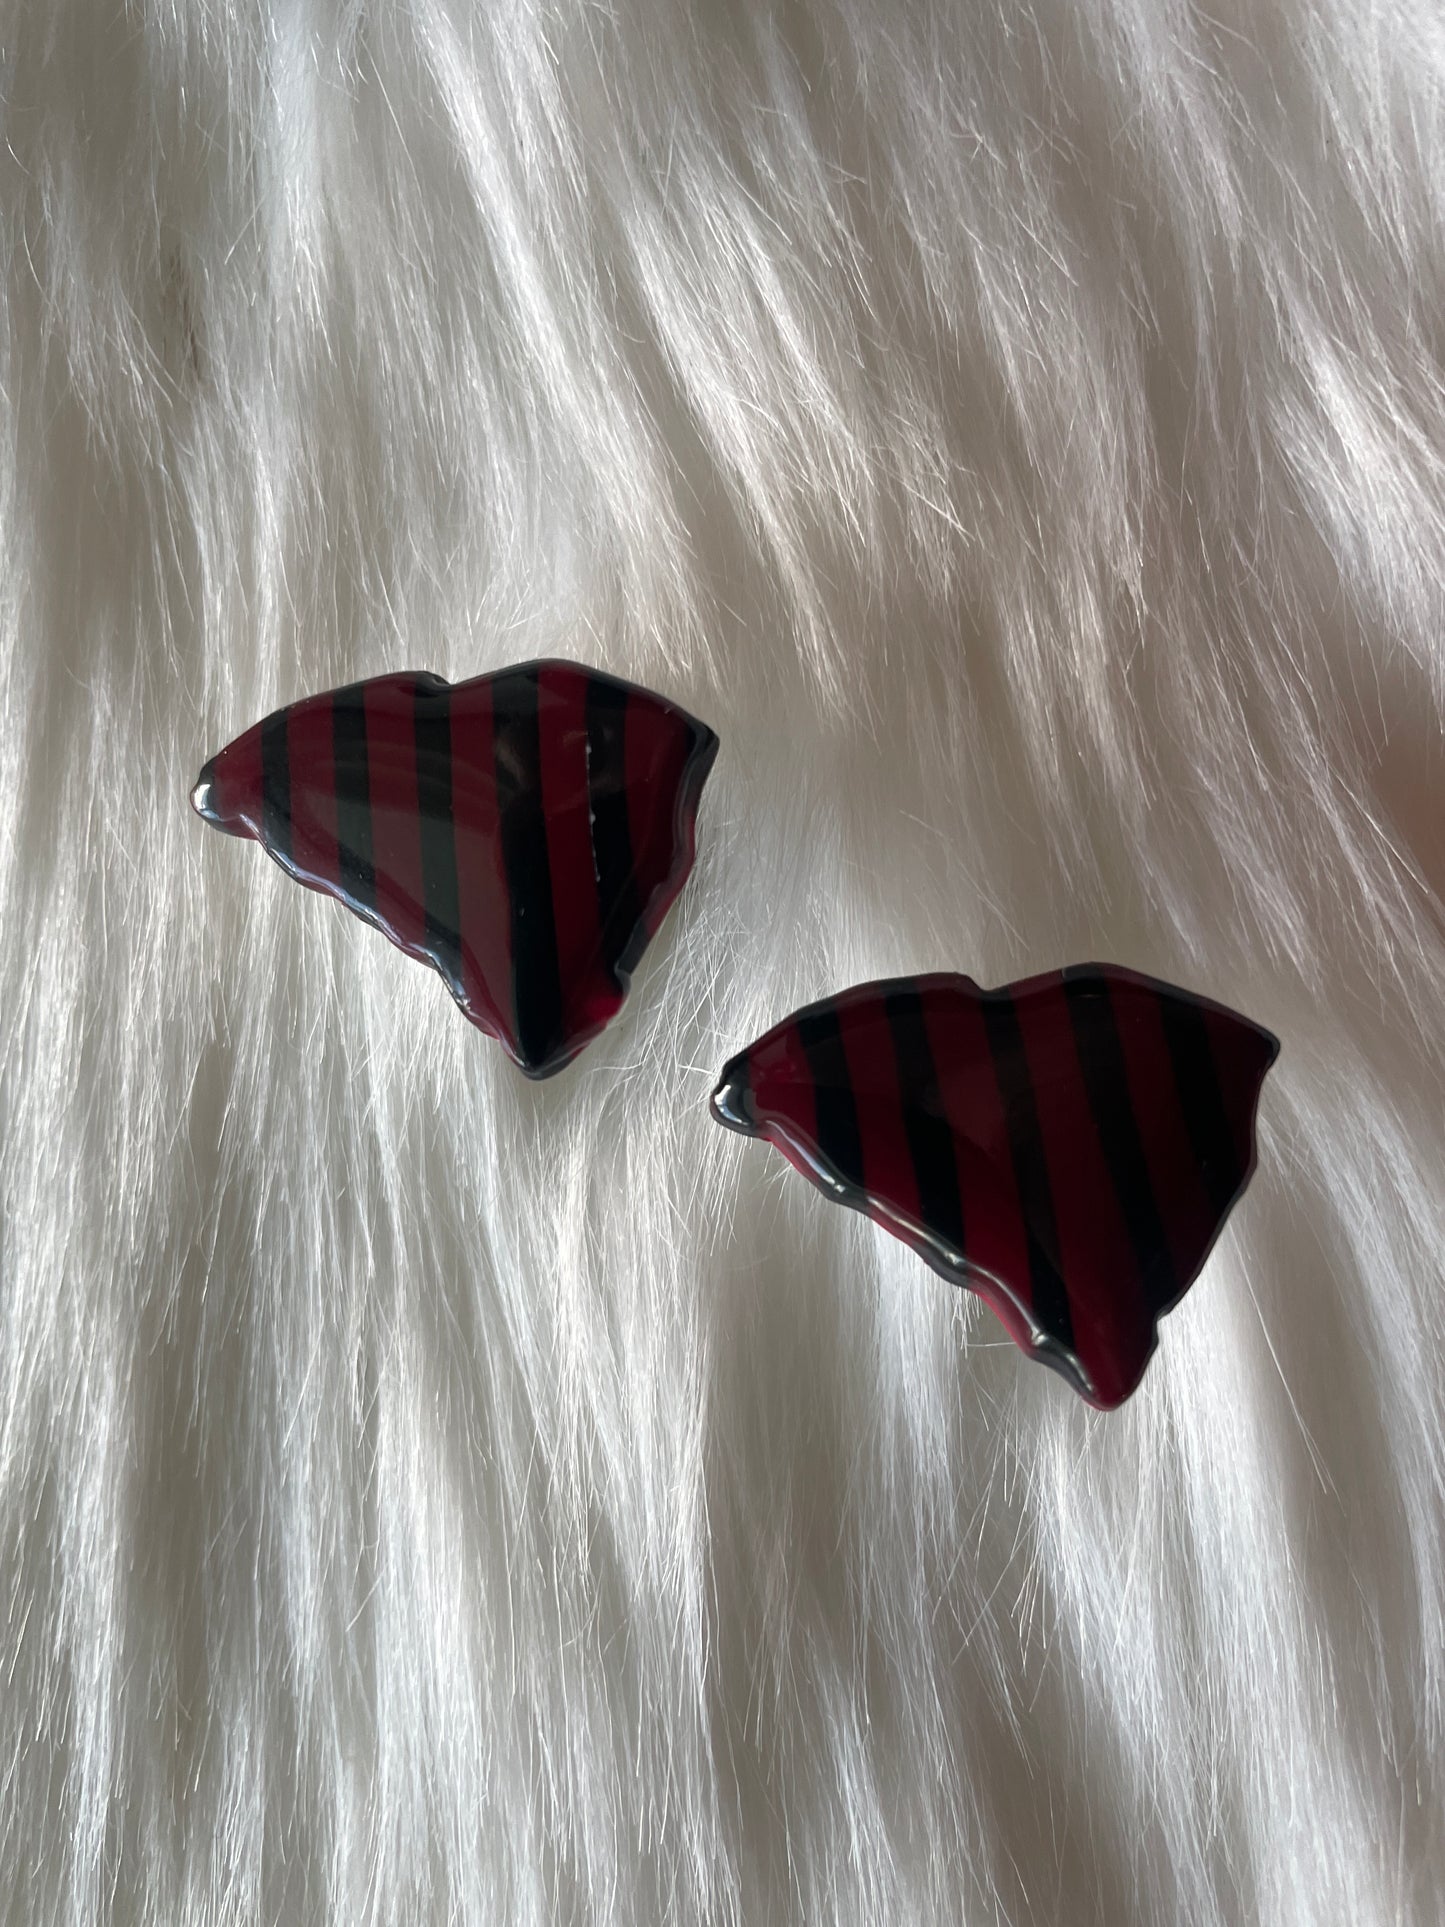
x: 524, y: 833
x: 1068, y: 1147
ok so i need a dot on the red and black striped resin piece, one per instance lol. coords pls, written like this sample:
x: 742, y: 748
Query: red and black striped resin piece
x: 524, y: 833
x: 1068, y: 1147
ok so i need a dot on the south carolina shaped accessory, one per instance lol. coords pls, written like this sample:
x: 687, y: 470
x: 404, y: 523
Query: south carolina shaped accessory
x: 1068, y: 1147
x: 524, y: 833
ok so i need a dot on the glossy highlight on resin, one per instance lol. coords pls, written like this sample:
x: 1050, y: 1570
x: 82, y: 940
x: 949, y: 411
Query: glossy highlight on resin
x: 1068, y: 1147
x: 524, y: 833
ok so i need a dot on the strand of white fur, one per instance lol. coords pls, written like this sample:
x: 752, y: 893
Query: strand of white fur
x: 1017, y: 430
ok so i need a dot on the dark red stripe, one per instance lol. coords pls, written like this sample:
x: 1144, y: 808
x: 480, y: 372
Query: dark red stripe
x: 888, y: 1173
x: 238, y: 767
x: 1112, y: 1326
x: 486, y: 957
x: 313, y: 792
x: 589, y: 995
x: 998, y: 1248
x: 658, y: 741
x: 395, y: 819
x: 781, y: 1079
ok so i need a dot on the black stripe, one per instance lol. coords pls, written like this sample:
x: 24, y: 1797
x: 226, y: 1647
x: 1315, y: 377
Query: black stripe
x: 1186, y: 1033
x: 351, y: 778
x: 1047, y: 1289
x: 930, y: 1139
x: 836, y: 1113
x: 517, y: 749
x: 619, y: 909
x: 1106, y: 1080
x: 276, y: 785
x: 432, y: 735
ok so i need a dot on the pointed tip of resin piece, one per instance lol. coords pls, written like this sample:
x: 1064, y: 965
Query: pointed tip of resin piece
x: 1068, y: 1147
x: 203, y: 792
x: 732, y: 1100
x: 216, y: 795
x: 524, y: 833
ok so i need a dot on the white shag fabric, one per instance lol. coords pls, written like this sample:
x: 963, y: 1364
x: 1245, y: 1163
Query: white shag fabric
x: 1017, y: 428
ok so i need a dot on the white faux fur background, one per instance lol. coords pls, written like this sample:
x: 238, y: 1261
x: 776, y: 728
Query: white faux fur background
x: 1016, y: 426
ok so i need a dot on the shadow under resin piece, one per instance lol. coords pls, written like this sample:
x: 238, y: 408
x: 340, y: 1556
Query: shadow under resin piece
x: 524, y: 833
x: 1068, y: 1147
